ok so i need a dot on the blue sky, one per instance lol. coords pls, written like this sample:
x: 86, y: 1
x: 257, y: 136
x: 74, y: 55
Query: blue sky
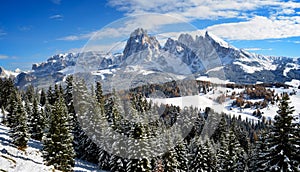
x: 33, y: 30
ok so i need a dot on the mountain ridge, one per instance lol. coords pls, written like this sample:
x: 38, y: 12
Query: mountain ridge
x: 204, y: 54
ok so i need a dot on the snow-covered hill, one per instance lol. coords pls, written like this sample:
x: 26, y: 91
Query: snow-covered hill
x: 204, y: 54
x: 208, y: 100
x: 15, y: 160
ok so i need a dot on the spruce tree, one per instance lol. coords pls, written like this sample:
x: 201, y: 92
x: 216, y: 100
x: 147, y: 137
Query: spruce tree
x: 37, y: 121
x: 50, y: 96
x: 182, y: 156
x: 283, y: 148
x: 258, y: 161
x: 85, y: 147
x: 169, y: 161
x: 12, y: 109
x: 19, y: 131
x: 58, y: 149
x: 43, y: 98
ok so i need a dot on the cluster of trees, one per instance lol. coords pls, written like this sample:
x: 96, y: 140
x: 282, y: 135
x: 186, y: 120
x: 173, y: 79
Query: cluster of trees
x: 234, y: 145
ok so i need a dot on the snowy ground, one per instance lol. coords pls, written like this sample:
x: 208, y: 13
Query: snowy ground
x: 207, y: 100
x: 14, y: 160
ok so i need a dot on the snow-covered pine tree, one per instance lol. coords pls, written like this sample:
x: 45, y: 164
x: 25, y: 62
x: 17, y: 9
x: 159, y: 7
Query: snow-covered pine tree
x: 19, y: 131
x: 169, y: 161
x: 140, y: 147
x: 28, y: 108
x: 237, y: 159
x: 104, y: 159
x: 12, y: 106
x: 283, y: 148
x: 58, y: 149
x: 117, y: 163
x: 258, y: 160
x: 220, y: 130
x: 230, y: 155
x: 85, y: 147
x: 181, y: 154
x: 202, y: 157
x: 4, y: 118
x: 37, y: 121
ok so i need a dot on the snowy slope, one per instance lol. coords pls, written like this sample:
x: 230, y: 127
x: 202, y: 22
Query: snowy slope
x: 207, y: 100
x: 14, y: 160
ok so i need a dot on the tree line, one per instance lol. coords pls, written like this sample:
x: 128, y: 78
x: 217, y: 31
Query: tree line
x: 234, y: 145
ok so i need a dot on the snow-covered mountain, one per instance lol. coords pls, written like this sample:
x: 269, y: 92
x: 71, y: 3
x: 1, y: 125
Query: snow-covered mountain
x: 204, y: 54
x: 8, y: 74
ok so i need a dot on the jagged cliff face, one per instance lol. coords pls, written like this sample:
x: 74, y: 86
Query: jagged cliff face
x: 204, y: 54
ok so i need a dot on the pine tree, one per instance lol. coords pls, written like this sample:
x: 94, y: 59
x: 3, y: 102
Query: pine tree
x: 12, y: 109
x: 4, y: 118
x: 29, y: 93
x: 50, y: 96
x: 19, y: 131
x: 169, y: 161
x: 181, y: 156
x: 282, y: 154
x: 85, y: 147
x: 140, y: 161
x: 258, y: 159
x: 37, y: 122
x: 43, y: 98
x: 7, y: 88
x: 58, y: 149
x: 220, y: 130
x: 231, y: 154
x: 117, y: 163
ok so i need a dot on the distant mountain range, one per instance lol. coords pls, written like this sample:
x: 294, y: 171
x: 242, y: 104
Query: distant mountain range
x: 204, y: 54
x: 8, y: 74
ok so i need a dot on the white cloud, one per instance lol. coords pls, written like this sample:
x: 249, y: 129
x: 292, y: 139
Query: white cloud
x: 122, y: 28
x: 258, y: 28
x: 258, y: 49
x: 3, y: 56
x: 202, y: 9
x: 280, y: 20
x: 56, y: 17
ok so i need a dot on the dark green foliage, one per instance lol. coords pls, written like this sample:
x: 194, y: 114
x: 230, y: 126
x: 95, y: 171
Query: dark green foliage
x: 30, y: 93
x: 282, y: 141
x: 37, y: 121
x: 12, y: 109
x: 19, y: 131
x: 58, y: 149
x: 43, y: 98
x: 181, y: 154
x: 203, y: 158
x: 258, y: 160
x: 169, y: 161
x: 7, y: 88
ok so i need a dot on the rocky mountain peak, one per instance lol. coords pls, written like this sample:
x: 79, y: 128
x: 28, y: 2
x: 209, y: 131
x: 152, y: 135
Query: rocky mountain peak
x: 140, y: 41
